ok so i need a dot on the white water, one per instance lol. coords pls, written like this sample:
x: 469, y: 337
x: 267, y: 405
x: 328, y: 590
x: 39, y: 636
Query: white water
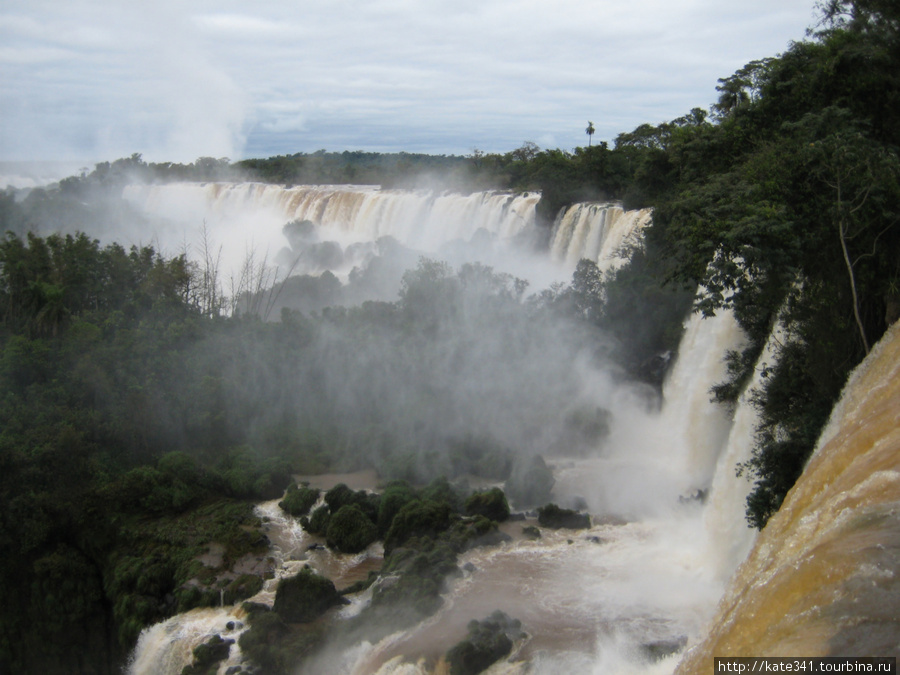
x: 599, y: 232
x: 166, y: 648
x: 652, y: 567
x: 243, y: 217
x: 588, y: 607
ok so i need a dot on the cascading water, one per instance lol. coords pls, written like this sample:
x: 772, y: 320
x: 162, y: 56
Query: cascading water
x: 822, y: 578
x: 598, y: 232
x: 252, y: 214
x: 648, y: 572
x: 167, y: 647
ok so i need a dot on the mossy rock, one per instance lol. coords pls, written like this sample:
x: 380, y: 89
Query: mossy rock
x: 350, y: 530
x: 554, y: 517
x: 488, y: 641
x: 245, y: 586
x: 208, y: 655
x: 299, y: 500
x: 419, y: 518
x: 531, y: 532
x: 318, y: 521
x: 305, y: 597
x: 491, y: 504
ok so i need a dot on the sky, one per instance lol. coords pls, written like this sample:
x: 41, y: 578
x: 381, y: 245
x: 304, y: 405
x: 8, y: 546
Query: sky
x: 94, y: 80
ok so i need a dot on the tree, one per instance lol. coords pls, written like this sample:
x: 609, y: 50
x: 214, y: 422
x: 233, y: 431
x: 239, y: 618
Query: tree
x: 589, y: 131
x: 863, y: 179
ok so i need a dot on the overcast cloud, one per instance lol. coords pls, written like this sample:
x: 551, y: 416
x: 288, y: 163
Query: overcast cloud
x: 92, y: 80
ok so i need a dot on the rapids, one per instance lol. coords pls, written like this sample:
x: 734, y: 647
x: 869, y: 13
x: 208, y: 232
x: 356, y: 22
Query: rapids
x: 823, y: 578
x: 667, y: 528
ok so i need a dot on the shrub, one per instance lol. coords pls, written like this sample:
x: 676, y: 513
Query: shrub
x: 554, y: 517
x: 393, y: 498
x: 419, y: 518
x: 298, y: 500
x: 318, y: 521
x: 488, y: 641
x: 208, y: 654
x: 350, y: 530
x: 305, y: 597
x: 491, y: 504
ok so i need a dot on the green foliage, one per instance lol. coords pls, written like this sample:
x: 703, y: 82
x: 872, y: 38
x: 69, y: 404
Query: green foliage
x: 305, y: 597
x: 487, y: 642
x: 415, y: 577
x: 419, y: 518
x: 350, y: 530
x: 207, y: 656
x: 299, y: 500
x: 273, y: 646
x: 394, y: 497
x: 491, y: 504
x: 555, y: 517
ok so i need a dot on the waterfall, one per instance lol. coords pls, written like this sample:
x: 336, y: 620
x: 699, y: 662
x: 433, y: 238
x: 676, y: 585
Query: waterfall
x: 348, y: 213
x: 651, y: 568
x: 598, y: 232
x: 821, y: 578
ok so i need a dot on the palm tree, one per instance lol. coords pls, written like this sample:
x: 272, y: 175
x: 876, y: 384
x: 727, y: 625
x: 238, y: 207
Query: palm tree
x: 590, y: 131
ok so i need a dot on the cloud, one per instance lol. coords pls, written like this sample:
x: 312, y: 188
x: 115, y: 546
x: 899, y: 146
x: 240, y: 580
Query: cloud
x: 228, y: 78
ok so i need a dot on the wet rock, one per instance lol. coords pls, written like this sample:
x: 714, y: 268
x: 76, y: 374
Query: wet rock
x: 205, y: 655
x: 531, y: 532
x: 660, y: 649
x: 488, y: 641
x: 554, y: 517
x: 469, y: 567
x: 696, y: 497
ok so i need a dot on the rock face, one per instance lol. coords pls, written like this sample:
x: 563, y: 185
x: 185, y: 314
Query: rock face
x: 305, y: 597
x: 823, y: 578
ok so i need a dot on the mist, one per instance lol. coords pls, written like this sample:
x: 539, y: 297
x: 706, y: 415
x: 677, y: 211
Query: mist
x: 427, y: 335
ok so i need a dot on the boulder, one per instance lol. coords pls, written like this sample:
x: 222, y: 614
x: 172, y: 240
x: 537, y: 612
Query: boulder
x: 554, y: 517
x: 488, y: 641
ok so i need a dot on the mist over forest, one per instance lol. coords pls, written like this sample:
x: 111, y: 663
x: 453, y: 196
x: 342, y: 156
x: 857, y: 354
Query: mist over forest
x: 160, y: 380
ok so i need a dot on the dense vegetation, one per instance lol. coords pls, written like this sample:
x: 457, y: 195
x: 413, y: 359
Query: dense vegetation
x: 139, y: 420
x: 786, y: 209
x: 138, y: 426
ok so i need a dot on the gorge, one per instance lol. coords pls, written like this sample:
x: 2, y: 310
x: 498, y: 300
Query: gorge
x: 668, y: 510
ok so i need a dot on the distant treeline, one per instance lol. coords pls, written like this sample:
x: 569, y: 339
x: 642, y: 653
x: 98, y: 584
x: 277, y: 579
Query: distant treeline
x: 136, y: 416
